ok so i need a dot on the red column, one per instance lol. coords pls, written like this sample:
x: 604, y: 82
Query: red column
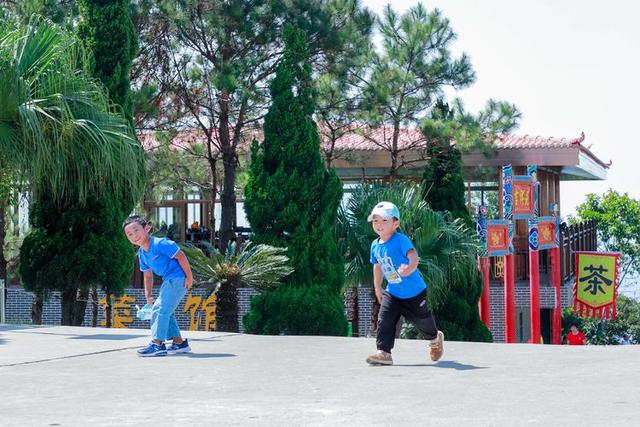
x: 509, y: 299
x: 534, y: 295
x: 485, y: 312
x: 556, y: 321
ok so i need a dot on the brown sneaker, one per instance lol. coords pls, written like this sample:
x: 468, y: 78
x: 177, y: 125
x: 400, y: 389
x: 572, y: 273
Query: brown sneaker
x: 437, y: 347
x: 380, y: 358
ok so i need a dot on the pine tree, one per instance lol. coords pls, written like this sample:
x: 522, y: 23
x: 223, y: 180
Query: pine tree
x: 291, y: 201
x: 75, y: 247
x: 108, y: 32
x: 443, y: 183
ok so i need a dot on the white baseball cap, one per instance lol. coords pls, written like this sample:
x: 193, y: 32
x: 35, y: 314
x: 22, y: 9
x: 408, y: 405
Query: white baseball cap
x: 385, y: 210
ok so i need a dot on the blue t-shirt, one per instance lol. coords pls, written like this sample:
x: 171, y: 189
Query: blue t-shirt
x: 160, y: 258
x: 390, y: 255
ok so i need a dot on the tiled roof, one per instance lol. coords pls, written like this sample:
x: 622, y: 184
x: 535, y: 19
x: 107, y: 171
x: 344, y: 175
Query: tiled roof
x: 530, y: 141
x: 376, y: 139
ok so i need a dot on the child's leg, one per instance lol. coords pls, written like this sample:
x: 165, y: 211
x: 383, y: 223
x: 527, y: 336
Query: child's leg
x: 174, y: 330
x: 416, y: 311
x: 387, y: 319
x: 171, y: 292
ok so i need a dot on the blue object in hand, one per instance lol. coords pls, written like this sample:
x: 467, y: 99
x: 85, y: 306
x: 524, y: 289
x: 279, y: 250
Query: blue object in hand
x: 145, y: 312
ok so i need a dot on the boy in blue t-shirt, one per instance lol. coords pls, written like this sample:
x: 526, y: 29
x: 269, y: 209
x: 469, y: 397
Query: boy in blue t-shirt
x: 164, y: 258
x: 395, y: 259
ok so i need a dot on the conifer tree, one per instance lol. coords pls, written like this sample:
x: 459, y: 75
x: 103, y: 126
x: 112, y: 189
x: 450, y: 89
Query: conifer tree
x: 291, y: 201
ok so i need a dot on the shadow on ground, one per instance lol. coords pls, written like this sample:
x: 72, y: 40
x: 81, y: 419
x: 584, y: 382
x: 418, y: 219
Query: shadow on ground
x: 204, y: 355
x: 446, y: 364
x: 107, y: 337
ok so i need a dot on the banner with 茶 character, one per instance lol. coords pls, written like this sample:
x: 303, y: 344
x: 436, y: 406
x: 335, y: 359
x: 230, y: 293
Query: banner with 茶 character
x: 595, y: 288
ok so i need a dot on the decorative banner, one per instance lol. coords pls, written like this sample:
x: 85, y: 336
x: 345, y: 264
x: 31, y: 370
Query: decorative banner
x: 481, y: 229
x: 532, y: 173
x: 524, y: 205
x: 548, y: 233
x: 596, y: 284
x: 498, y: 238
x: 507, y: 200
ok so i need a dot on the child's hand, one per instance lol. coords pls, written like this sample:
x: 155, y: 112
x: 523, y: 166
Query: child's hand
x: 379, y: 295
x: 403, y: 270
x: 150, y: 300
x: 188, y: 282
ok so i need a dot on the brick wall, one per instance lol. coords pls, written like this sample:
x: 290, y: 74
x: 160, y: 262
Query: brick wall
x: 366, y: 299
x: 195, y: 311
x: 547, y: 300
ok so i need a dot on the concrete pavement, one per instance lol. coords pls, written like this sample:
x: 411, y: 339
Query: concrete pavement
x: 65, y: 376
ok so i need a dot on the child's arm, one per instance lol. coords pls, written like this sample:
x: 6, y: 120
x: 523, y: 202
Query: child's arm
x: 377, y: 282
x: 405, y: 270
x: 184, y: 263
x: 148, y: 285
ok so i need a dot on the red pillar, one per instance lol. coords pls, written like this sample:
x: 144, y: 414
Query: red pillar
x: 509, y: 299
x: 485, y: 313
x: 556, y: 321
x: 534, y: 294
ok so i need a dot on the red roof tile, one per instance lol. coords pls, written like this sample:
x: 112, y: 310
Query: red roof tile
x: 374, y: 139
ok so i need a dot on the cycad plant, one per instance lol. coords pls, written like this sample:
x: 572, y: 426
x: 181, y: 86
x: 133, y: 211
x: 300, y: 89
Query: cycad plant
x: 258, y: 266
x: 447, y: 248
x: 57, y: 125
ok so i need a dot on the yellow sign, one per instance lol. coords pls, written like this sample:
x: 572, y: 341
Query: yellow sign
x: 122, y: 316
x: 195, y: 305
x: 596, y: 279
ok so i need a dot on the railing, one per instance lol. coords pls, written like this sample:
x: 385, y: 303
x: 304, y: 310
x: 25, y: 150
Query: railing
x: 580, y: 237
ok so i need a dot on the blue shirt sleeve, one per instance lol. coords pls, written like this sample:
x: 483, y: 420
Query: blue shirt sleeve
x: 167, y: 247
x: 405, y: 245
x: 372, y: 258
x: 143, y: 264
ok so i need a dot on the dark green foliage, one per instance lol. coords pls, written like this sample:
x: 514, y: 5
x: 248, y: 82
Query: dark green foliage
x: 291, y: 199
x: 296, y: 310
x: 607, y: 332
x: 617, y: 219
x: 108, y: 32
x: 443, y: 182
x: 76, y: 247
x: 447, y: 250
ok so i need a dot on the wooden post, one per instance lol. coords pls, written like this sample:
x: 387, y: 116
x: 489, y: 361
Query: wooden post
x: 509, y: 261
x: 556, y: 321
x: 534, y: 263
x: 509, y: 299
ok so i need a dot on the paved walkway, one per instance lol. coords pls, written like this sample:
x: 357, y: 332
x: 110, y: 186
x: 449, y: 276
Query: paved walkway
x: 64, y: 376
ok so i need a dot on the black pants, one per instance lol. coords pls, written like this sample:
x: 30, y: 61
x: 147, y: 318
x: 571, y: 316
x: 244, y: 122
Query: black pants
x: 414, y: 309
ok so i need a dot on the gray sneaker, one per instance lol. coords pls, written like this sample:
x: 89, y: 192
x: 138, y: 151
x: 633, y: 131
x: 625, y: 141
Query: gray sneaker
x: 183, y: 347
x: 380, y: 358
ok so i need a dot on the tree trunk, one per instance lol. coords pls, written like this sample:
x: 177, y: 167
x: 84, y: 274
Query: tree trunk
x: 228, y: 200
x: 107, y: 309
x: 36, y: 310
x: 227, y: 308
x: 3, y: 261
x: 73, y: 308
x: 214, y: 196
x: 94, y: 307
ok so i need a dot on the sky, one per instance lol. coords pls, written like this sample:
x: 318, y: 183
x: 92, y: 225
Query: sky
x: 569, y: 66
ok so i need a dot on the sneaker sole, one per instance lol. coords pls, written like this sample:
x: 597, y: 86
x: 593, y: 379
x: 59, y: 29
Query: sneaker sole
x: 179, y: 351
x: 156, y: 354
x: 379, y: 363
